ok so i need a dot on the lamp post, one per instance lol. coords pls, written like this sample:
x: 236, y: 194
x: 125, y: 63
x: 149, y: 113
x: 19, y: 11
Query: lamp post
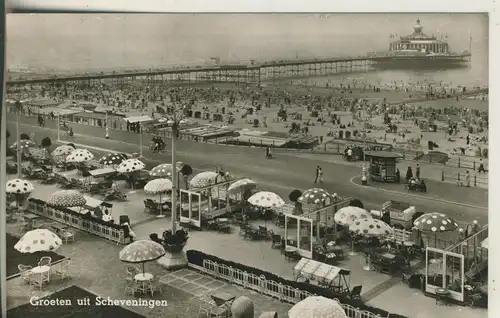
x: 19, y: 107
x: 58, y: 126
x: 3, y: 204
x: 175, y: 176
x: 140, y: 142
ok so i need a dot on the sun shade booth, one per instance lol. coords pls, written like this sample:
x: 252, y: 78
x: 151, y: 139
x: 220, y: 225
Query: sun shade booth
x: 207, y: 200
x: 382, y: 165
x: 95, y: 207
x: 332, y: 277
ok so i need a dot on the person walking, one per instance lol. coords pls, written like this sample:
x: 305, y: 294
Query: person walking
x: 467, y: 179
x: 317, y: 174
x: 409, y: 174
x: 481, y: 166
x: 417, y: 172
x: 320, y: 175
x: 107, y: 132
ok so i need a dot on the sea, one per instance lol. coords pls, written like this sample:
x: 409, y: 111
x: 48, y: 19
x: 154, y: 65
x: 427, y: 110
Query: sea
x: 97, y: 42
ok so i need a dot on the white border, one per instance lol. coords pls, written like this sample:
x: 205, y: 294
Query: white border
x: 262, y: 5
x: 336, y: 6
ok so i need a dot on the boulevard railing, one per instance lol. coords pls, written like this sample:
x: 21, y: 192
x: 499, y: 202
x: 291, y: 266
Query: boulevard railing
x: 111, y: 232
x: 268, y: 287
x: 461, y: 179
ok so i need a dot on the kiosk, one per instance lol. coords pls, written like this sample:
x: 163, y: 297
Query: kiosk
x: 382, y: 165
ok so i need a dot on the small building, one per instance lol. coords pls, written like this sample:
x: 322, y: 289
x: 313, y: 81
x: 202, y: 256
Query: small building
x: 382, y: 165
x: 419, y: 41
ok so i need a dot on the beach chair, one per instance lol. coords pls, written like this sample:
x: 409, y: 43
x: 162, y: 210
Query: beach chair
x: 131, y: 286
x: 132, y: 271
x: 63, y: 269
x: 67, y: 235
x: 25, y: 271
x: 45, y: 261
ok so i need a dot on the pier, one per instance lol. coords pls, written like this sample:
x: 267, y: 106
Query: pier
x: 249, y: 73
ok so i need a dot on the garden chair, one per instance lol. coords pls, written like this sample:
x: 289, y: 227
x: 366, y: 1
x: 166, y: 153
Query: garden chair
x: 63, y: 269
x: 131, y: 286
x: 67, y: 235
x: 45, y: 261
x: 25, y: 271
x: 39, y: 280
x: 22, y: 224
x: 37, y: 224
x: 155, y: 286
x: 276, y: 240
x: 132, y: 271
x: 356, y: 292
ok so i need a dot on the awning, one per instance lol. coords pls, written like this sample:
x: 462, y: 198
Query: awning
x: 318, y: 271
x: 134, y: 119
x: 102, y: 172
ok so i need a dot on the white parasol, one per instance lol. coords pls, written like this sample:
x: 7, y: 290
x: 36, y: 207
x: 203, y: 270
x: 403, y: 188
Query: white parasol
x: 315, y: 196
x: 371, y: 227
x: 265, y: 199
x: 203, y: 179
x: 67, y: 199
x: 317, y: 307
x: 38, y: 241
x: 158, y: 186
x: 112, y: 159
x: 24, y: 144
x: 141, y: 251
x: 350, y: 214
x: 485, y: 243
x: 63, y: 151
x: 241, y: 185
x: 164, y: 170
x: 19, y: 186
x: 130, y: 165
x: 79, y: 155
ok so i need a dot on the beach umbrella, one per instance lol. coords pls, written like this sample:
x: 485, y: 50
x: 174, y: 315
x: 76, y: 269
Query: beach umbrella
x: 79, y: 155
x: 203, y: 179
x: 40, y: 240
x: 485, y: 244
x: 19, y: 189
x: 164, y: 170
x: 19, y: 186
x: 66, y: 199
x: 140, y: 252
x: 112, y: 159
x: 24, y: 145
x: 435, y: 222
x: 242, y: 185
x: 317, y: 307
x: 350, y: 214
x: 371, y: 227
x: 158, y: 187
x: 294, y: 195
x: 62, y: 151
x: 130, y: 165
x: 265, y: 199
x: 315, y: 196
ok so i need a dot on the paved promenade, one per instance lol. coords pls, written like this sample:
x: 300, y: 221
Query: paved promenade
x: 284, y: 173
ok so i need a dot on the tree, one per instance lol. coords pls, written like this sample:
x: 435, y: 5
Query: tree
x: 294, y: 195
x: 356, y: 203
x: 46, y: 143
x: 25, y: 136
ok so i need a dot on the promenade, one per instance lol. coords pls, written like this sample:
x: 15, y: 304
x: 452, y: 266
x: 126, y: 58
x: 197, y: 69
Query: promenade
x: 283, y: 174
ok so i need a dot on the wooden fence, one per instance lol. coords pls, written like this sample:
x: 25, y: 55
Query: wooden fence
x: 268, y: 287
x: 78, y: 222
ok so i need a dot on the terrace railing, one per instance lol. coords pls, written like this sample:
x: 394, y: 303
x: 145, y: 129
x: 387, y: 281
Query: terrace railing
x: 268, y: 287
x: 471, y: 247
x: 78, y: 222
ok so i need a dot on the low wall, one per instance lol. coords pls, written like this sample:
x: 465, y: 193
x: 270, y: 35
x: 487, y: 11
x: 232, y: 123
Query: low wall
x: 275, y: 286
x: 106, y: 230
